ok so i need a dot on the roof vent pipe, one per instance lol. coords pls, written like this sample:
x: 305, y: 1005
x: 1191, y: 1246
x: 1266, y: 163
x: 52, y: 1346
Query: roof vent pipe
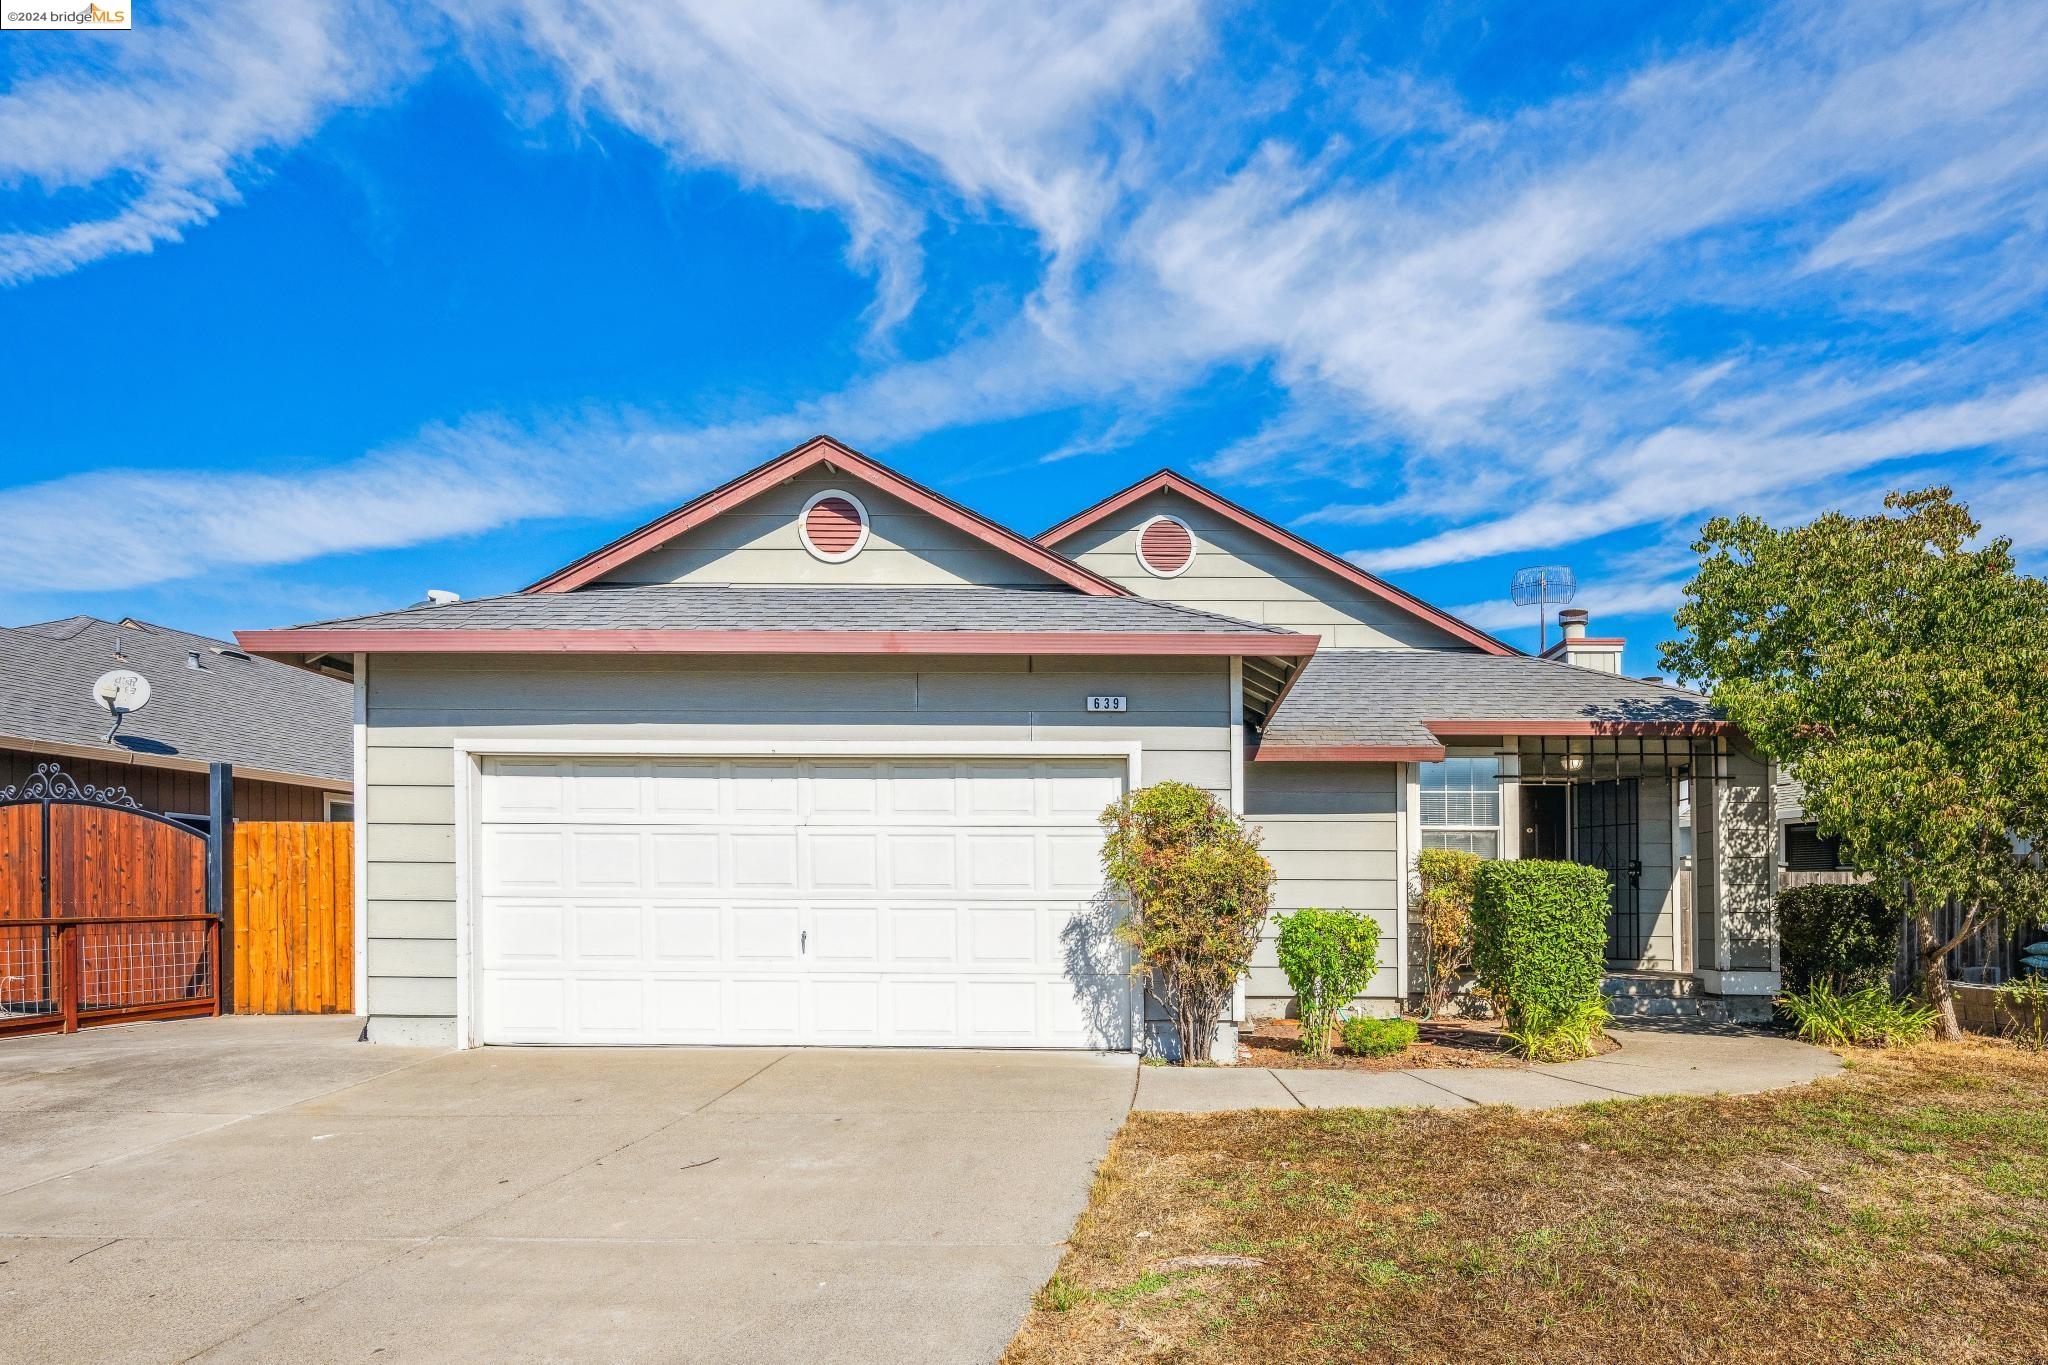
x: 192, y: 659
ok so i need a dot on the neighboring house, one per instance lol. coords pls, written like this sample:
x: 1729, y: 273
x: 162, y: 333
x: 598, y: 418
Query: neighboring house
x: 286, y: 730
x: 817, y: 758
x: 1802, y: 849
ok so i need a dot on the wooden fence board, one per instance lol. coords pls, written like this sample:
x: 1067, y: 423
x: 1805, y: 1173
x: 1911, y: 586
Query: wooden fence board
x: 294, y: 911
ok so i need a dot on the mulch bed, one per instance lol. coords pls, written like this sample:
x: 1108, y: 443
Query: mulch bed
x: 1442, y: 1043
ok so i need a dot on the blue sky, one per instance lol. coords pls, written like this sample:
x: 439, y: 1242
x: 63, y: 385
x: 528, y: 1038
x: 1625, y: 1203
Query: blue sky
x: 307, y: 308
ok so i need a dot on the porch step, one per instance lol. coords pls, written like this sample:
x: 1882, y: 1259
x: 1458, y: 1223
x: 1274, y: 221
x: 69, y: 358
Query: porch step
x: 1661, y: 995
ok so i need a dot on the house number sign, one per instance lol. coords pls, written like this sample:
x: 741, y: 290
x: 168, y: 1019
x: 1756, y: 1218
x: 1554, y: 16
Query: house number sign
x: 1105, y: 703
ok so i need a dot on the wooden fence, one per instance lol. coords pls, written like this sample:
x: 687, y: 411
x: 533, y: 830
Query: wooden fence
x: 294, y: 917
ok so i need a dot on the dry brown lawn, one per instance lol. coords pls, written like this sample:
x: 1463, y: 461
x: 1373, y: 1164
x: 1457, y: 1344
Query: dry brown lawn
x: 1898, y: 1212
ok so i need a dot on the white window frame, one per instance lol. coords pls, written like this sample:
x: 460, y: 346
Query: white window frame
x: 1423, y: 829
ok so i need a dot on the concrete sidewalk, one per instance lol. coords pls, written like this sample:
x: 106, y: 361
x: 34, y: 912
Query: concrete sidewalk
x: 1650, y: 1061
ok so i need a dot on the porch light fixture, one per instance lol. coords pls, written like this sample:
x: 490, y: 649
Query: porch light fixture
x: 1574, y: 762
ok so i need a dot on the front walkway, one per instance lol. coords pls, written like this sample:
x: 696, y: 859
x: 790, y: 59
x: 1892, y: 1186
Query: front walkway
x: 1651, y: 1061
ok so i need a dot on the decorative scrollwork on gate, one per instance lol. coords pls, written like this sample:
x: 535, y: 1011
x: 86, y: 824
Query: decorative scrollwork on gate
x: 50, y: 782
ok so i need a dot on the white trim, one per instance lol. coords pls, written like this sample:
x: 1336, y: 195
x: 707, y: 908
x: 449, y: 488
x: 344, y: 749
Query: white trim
x: 360, y: 779
x: 1236, y: 735
x: 470, y: 752
x: 1194, y: 547
x: 1408, y: 843
x: 803, y: 527
x: 1726, y: 982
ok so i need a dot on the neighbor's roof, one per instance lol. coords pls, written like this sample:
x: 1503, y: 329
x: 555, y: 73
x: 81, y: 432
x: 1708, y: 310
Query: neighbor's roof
x: 253, y: 713
x: 1400, y: 704
x: 669, y: 618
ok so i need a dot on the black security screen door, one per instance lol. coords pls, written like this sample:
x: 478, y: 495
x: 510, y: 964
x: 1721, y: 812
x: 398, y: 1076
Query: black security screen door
x: 1604, y: 835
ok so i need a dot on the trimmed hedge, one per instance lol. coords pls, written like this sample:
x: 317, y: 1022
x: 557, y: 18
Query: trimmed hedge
x: 1539, y: 942
x: 1841, y: 937
x: 1329, y: 957
x: 1367, y: 1037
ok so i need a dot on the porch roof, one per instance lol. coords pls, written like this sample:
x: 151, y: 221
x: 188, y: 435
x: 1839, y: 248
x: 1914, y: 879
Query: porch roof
x: 1400, y: 705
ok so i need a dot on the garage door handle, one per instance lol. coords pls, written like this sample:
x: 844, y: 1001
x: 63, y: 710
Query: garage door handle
x: 803, y: 941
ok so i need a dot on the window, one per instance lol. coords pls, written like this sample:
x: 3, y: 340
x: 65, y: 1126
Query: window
x: 339, y: 808
x: 1461, y: 805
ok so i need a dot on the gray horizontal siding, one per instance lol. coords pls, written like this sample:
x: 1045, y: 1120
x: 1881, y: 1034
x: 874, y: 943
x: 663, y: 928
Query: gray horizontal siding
x: 1332, y: 833
x: 758, y: 543
x: 1240, y: 574
x: 416, y: 708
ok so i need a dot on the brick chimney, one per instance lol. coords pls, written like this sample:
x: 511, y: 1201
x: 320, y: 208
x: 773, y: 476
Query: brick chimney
x: 1602, y: 654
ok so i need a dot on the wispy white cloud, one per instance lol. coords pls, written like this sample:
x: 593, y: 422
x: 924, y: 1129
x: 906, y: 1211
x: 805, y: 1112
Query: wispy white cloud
x: 157, y: 139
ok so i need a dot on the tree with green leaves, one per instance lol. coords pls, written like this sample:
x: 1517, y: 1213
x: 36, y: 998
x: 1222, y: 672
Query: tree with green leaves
x: 1899, y: 665
x: 1198, y: 891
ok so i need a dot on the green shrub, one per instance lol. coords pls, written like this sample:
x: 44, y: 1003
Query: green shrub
x: 1865, y: 1018
x: 1843, y: 937
x: 1198, y: 893
x: 1443, y: 910
x: 1378, y: 1037
x: 1329, y: 957
x: 1539, y: 938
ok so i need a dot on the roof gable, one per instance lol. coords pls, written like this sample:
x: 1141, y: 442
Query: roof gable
x: 1270, y: 539
x: 997, y: 552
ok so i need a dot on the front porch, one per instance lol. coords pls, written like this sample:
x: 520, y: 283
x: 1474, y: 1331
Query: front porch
x: 1682, y: 825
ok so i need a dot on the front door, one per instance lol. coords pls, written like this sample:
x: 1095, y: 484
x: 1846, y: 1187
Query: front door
x: 1543, y: 823
x: 1605, y: 835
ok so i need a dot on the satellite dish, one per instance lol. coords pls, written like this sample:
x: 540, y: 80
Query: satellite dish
x: 120, y: 690
x: 1542, y: 587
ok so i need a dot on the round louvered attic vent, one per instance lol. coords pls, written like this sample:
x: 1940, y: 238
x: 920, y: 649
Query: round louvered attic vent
x: 834, y: 526
x: 1165, y: 546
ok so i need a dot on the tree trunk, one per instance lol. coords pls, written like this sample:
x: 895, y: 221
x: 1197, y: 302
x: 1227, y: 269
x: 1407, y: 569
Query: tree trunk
x: 1934, y: 983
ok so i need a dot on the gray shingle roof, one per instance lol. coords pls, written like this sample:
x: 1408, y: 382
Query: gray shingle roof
x: 1385, y: 696
x: 669, y: 607
x: 250, y: 712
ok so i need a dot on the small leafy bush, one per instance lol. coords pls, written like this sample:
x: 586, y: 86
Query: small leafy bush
x: 1198, y: 892
x: 1378, y: 1037
x: 1444, y: 911
x: 2025, y: 1006
x: 1842, y: 937
x: 1865, y: 1018
x: 1539, y: 939
x: 1329, y: 957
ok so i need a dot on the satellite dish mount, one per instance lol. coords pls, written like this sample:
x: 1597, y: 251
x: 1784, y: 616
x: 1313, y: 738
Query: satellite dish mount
x: 120, y: 690
x: 1543, y: 587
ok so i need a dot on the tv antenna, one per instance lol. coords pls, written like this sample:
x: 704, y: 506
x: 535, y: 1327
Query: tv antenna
x: 120, y: 690
x: 1543, y: 587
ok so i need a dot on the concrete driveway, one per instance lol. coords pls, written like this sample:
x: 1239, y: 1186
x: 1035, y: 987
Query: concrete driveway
x: 264, y: 1189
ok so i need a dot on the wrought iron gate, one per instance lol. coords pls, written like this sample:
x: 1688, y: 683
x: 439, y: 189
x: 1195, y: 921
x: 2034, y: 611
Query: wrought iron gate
x: 1605, y: 835
x: 108, y: 912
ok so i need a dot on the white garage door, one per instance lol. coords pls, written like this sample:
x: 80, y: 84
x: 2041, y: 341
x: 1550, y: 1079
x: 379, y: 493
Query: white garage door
x: 951, y: 903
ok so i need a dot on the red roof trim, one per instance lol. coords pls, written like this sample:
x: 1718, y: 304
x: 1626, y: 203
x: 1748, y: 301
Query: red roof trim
x: 816, y: 451
x: 1168, y: 481
x: 1458, y: 728
x: 1348, y: 753
x: 287, y: 643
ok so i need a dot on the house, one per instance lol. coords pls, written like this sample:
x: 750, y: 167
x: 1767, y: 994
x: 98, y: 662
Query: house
x: 286, y: 730
x: 817, y: 758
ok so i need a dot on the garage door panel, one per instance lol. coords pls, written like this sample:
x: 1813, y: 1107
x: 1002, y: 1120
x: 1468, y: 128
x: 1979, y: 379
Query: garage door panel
x: 686, y: 933
x: 764, y: 861
x: 998, y: 861
x: 606, y: 861
x: 518, y: 860
x: 785, y: 901
x: 846, y: 862
x: 765, y: 933
x: 678, y: 862
x: 687, y: 1009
